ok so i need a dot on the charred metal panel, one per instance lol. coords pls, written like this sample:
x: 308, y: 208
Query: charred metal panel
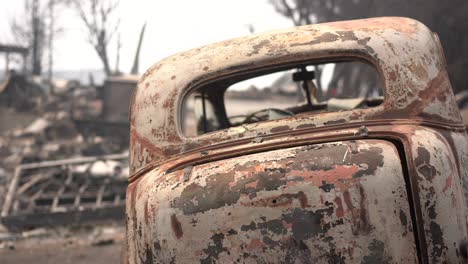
x: 460, y: 143
x: 116, y: 94
x: 324, y: 203
x: 406, y: 53
x: 440, y: 186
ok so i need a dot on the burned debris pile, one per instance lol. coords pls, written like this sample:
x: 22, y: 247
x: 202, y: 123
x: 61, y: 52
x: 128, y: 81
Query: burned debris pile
x: 64, y: 192
x: 67, y: 164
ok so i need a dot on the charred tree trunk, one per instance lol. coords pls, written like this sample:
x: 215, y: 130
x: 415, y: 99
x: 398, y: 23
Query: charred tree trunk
x: 102, y: 53
x: 51, y: 40
x: 101, y: 49
x: 37, y: 35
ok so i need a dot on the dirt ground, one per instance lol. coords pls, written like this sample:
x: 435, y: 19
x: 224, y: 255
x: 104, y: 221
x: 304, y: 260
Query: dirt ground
x: 92, y: 244
x: 62, y: 254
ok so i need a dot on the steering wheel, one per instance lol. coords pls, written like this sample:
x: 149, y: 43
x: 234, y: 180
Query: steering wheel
x: 260, y: 115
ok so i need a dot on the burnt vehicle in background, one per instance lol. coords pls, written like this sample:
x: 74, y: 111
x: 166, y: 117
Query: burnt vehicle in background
x: 367, y: 171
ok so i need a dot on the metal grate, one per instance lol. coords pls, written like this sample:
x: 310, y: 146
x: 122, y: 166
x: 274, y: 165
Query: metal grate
x: 65, y: 192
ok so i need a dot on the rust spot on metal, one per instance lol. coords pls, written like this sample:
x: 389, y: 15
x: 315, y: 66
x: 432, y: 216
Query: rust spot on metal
x: 255, y: 244
x: 324, y: 38
x: 369, y: 25
x: 214, y: 249
x: 195, y: 198
x: 334, y: 122
x: 364, y: 221
x: 304, y: 126
x: 423, y: 164
x: 339, y: 207
x: 404, y: 222
x: 146, y: 213
x: 257, y: 47
x: 279, y: 129
x: 448, y: 183
x: 282, y: 200
x: 377, y: 253
x: 176, y: 226
x: 358, y: 214
x: 439, y: 248
x: 372, y: 159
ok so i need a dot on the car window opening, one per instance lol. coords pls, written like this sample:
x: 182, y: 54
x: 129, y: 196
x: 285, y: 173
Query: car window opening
x: 297, y: 90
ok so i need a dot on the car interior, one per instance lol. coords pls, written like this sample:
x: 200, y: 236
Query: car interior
x: 280, y: 93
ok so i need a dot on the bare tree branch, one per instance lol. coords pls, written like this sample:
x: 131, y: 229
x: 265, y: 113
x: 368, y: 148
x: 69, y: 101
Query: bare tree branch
x: 97, y: 18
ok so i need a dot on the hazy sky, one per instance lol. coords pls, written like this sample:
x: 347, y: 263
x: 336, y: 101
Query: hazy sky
x: 173, y: 26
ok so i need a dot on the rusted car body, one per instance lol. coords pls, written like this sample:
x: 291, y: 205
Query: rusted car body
x: 375, y: 185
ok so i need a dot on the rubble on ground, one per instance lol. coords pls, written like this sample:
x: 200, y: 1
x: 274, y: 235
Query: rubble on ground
x: 86, y: 235
x: 68, y: 160
x: 20, y: 93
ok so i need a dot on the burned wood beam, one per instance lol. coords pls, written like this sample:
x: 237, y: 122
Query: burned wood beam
x: 13, y: 49
x: 72, y: 161
x: 11, y: 192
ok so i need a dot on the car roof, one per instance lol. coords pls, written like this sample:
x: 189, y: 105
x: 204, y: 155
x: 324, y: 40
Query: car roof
x: 406, y: 53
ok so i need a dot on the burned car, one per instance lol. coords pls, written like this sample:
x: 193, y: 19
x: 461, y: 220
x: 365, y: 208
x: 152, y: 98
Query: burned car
x: 364, y: 163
